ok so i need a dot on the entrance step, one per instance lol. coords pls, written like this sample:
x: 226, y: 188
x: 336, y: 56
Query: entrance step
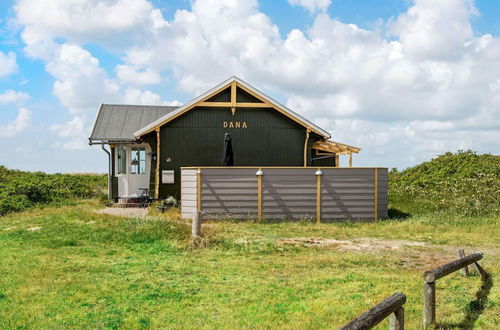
x: 128, y: 202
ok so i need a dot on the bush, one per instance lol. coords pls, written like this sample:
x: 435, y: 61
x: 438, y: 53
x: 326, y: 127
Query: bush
x: 464, y: 182
x: 20, y: 190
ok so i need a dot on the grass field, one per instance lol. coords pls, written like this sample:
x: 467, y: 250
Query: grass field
x: 70, y: 267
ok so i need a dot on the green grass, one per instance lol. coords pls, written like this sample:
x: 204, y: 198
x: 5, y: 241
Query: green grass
x: 82, y: 269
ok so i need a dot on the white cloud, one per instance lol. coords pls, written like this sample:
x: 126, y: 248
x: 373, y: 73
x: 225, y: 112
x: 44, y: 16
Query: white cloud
x: 112, y: 23
x: 81, y: 84
x: 137, y: 96
x: 22, y: 122
x: 132, y: 75
x: 74, y: 130
x: 10, y: 96
x: 435, y: 29
x: 433, y: 85
x: 312, y: 6
x: 8, y: 64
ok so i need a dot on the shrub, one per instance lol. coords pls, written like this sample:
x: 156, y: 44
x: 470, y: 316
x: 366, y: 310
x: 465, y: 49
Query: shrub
x: 20, y: 190
x: 463, y: 182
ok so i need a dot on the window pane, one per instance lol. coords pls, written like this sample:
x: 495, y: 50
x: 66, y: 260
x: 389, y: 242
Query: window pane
x: 142, y: 167
x: 138, y: 161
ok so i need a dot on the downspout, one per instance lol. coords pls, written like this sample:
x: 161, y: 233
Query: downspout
x: 109, y: 171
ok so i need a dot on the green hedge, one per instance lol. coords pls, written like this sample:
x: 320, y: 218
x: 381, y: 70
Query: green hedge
x: 464, y: 182
x: 20, y: 190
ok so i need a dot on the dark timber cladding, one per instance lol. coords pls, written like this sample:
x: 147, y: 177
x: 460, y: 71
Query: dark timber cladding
x: 260, y: 136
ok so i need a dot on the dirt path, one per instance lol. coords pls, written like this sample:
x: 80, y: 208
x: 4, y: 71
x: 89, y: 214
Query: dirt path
x: 127, y: 212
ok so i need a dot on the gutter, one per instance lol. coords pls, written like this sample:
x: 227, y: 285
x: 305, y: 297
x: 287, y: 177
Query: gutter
x: 109, y: 171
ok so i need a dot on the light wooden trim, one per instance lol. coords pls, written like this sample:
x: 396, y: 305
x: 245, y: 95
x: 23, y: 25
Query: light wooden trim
x: 235, y: 105
x: 297, y: 120
x: 337, y: 160
x: 350, y: 159
x: 233, y: 94
x: 335, y: 147
x: 305, y: 147
x: 318, y: 197
x: 158, y: 160
x: 198, y: 189
x: 253, y: 105
x: 259, y: 196
x: 376, y: 193
x: 215, y: 104
x: 202, y: 102
x: 185, y: 110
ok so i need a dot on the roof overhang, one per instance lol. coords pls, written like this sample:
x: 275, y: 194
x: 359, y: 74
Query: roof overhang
x: 335, y: 147
x: 191, y: 104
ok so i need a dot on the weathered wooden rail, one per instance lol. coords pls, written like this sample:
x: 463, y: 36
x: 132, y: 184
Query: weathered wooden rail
x: 430, y: 278
x: 392, y: 306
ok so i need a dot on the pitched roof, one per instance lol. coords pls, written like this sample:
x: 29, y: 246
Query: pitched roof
x: 188, y: 106
x: 118, y: 122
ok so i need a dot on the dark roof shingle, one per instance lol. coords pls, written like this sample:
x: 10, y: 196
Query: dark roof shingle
x: 118, y: 122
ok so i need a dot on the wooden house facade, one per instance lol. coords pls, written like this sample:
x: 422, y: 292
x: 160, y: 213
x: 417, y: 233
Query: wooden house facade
x: 150, y: 144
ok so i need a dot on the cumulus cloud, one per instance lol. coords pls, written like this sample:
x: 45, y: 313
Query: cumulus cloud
x: 132, y: 75
x: 21, y: 123
x: 8, y: 64
x: 73, y: 131
x: 432, y: 85
x: 12, y: 97
x: 312, y: 6
x: 81, y: 84
x: 112, y: 23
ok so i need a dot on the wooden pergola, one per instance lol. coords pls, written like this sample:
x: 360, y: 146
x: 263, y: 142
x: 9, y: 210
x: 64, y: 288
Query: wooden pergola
x: 336, y: 148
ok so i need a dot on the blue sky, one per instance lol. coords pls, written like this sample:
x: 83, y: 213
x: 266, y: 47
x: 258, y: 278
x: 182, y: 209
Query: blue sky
x: 404, y: 80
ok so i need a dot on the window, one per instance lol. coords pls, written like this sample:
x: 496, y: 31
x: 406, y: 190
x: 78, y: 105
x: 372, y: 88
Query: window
x: 138, y: 161
x: 122, y: 160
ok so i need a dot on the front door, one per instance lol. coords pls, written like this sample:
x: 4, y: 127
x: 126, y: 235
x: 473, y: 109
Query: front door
x: 133, y: 163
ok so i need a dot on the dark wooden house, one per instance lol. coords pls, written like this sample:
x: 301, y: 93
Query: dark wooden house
x: 149, y: 144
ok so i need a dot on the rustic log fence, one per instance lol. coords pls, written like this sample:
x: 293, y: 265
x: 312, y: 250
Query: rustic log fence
x: 430, y: 278
x: 392, y: 306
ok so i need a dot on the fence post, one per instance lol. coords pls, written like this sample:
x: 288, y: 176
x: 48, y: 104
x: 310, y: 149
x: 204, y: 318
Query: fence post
x: 397, y: 319
x: 318, y: 174
x: 429, y: 304
x: 461, y: 254
x: 196, y: 225
x: 259, y: 174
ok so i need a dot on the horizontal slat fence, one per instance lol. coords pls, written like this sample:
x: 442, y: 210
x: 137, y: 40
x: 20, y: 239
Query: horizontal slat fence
x: 321, y: 194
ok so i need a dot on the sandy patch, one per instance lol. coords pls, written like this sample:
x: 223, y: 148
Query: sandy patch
x: 34, y: 228
x: 127, y: 212
x: 359, y: 244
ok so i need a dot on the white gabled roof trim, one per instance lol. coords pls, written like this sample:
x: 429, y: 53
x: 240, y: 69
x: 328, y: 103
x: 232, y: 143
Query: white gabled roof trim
x: 222, y: 85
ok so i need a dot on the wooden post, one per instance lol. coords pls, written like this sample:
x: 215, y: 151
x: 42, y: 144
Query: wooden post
x: 305, y: 146
x: 376, y: 314
x: 441, y: 271
x: 158, y: 160
x: 397, y: 319
x: 259, y: 174
x: 196, y: 225
x: 375, y: 197
x: 198, y: 189
x: 350, y: 158
x: 429, y: 304
x: 337, y: 160
x: 233, y: 97
x: 461, y: 254
x: 318, y: 195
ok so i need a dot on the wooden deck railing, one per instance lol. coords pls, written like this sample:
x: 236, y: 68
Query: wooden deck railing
x: 430, y: 278
x: 392, y: 306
